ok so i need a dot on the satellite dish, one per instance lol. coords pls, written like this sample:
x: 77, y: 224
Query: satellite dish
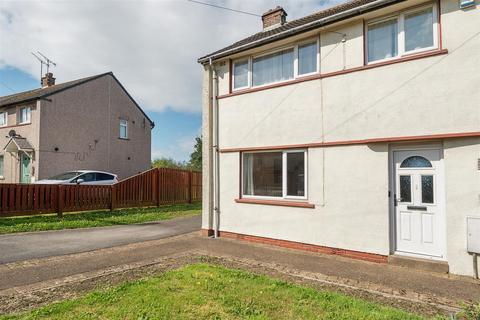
x: 12, y: 133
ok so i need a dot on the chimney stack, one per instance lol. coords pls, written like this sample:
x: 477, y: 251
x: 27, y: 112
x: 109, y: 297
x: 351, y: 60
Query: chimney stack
x: 274, y: 18
x: 48, y: 80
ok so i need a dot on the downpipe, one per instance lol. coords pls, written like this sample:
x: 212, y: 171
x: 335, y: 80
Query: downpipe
x: 216, y: 158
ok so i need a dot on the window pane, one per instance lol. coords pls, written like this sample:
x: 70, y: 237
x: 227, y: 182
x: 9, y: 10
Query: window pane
x: 273, y: 67
x: 103, y: 176
x: 3, y: 118
x: 307, y: 58
x: 240, y: 74
x: 25, y: 114
x: 416, y: 162
x: 262, y: 174
x: 296, y: 174
x: 123, y: 129
x: 419, y: 30
x: 87, y: 177
x: 382, y: 40
x: 427, y: 189
x: 405, y: 189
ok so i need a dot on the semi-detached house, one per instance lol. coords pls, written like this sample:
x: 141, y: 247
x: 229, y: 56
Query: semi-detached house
x: 90, y: 123
x: 352, y: 131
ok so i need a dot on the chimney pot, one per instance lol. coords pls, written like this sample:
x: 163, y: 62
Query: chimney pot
x: 48, y: 80
x: 274, y: 18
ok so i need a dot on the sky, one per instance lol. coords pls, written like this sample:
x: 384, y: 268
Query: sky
x: 151, y: 46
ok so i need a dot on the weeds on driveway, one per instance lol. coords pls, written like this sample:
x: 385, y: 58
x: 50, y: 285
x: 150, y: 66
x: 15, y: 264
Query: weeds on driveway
x: 97, y: 218
x: 204, y: 291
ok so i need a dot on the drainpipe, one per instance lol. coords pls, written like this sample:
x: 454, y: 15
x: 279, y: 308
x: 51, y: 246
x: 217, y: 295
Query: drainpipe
x: 475, y: 266
x: 216, y: 158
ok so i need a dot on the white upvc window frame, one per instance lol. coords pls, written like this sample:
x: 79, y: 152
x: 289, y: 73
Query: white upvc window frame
x: 295, y: 64
x: 400, y: 17
x: 29, y: 115
x: 266, y: 54
x: 284, y: 175
x: 249, y: 77
x: 302, y: 43
x: 5, y: 114
x: 123, y: 123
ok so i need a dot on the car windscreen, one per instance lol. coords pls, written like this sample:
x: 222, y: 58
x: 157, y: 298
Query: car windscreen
x: 65, y: 176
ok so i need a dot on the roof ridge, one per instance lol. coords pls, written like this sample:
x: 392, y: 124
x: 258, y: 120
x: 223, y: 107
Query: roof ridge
x: 35, y: 94
x: 66, y: 84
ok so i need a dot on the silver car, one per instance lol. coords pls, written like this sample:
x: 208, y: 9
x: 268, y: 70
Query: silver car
x: 81, y: 177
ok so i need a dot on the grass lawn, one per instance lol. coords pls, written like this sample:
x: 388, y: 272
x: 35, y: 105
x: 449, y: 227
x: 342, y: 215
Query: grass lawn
x: 97, y: 218
x: 203, y: 291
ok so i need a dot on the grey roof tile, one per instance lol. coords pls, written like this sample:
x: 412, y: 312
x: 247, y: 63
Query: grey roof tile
x: 43, y: 92
x: 295, y: 26
x: 32, y: 95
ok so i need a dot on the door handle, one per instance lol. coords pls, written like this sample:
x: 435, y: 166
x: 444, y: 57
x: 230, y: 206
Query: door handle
x: 418, y: 208
x: 396, y: 201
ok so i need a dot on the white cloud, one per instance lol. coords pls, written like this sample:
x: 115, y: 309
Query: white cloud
x: 151, y: 46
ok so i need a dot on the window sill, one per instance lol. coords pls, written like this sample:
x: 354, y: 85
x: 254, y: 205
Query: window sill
x: 284, y: 203
x: 123, y: 139
x: 15, y: 125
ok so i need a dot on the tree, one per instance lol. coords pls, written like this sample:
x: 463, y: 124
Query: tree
x: 164, y: 162
x: 195, y: 162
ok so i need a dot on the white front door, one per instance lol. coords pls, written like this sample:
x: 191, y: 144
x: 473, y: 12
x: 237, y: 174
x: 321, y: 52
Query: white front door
x: 418, y: 203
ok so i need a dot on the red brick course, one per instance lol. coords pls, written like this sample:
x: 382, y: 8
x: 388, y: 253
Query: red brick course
x: 372, y: 257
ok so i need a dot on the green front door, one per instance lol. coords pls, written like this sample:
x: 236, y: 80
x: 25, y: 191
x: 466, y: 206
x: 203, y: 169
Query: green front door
x: 24, y: 168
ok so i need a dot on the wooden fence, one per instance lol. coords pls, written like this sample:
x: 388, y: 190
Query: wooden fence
x: 154, y: 187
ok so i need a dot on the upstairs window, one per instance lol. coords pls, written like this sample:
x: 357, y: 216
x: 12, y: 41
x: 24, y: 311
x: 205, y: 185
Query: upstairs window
x: 307, y: 58
x: 382, y: 40
x: 3, y: 118
x: 278, y: 174
x: 273, y: 67
x: 25, y: 114
x: 123, y: 129
x: 409, y: 32
x: 418, y: 30
x: 240, y: 74
x: 281, y: 65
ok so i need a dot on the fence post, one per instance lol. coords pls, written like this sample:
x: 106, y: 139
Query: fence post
x: 157, y: 184
x: 190, y: 191
x: 113, y: 197
x: 60, y: 196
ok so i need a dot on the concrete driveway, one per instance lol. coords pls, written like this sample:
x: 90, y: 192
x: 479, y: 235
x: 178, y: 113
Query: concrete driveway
x: 26, y: 246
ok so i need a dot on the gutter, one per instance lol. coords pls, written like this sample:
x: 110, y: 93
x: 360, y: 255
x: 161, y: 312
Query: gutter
x: 303, y: 28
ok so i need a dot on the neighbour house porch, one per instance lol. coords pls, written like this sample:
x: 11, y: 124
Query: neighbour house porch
x: 17, y: 162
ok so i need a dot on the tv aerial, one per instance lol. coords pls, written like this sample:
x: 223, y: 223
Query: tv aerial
x: 43, y: 61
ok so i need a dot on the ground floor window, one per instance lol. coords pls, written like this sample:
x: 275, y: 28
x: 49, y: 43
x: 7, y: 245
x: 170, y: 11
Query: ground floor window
x: 275, y: 174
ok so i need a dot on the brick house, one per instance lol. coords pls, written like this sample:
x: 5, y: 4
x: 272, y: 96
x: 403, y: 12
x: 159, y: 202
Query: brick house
x: 90, y: 123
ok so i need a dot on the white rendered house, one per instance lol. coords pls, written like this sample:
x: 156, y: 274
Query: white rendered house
x: 352, y: 131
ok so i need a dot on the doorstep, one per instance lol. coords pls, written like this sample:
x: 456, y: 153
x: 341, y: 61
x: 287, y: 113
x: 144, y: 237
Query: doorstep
x: 418, y: 263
